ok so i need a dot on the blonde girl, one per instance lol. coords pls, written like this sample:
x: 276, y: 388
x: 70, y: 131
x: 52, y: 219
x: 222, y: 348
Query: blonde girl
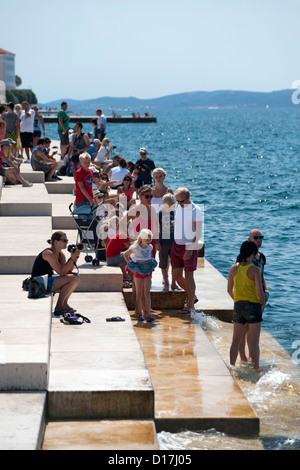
x: 142, y: 264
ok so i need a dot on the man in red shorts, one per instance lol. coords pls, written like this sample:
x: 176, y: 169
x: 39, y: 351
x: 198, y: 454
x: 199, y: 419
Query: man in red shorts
x: 187, y: 233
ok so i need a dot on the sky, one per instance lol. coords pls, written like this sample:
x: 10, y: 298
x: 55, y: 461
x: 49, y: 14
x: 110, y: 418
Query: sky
x: 148, y: 49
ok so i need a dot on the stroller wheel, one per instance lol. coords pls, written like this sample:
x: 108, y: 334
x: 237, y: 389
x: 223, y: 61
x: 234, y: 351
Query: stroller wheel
x: 88, y: 258
x: 95, y: 262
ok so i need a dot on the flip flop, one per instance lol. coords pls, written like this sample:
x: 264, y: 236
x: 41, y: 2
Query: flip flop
x: 62, y: 311
x: 127, y: 284
x: 185, y: 311
x: 115, y: 319
x: 141, y: 318
x: 150, y: 319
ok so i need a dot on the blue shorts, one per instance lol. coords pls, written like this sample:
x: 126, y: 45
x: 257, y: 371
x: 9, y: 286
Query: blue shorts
x: 51, y: 283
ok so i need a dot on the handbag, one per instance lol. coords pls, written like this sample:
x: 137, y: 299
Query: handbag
x: 74, y: 319
x: 25, y: 284
x: 37, y: 287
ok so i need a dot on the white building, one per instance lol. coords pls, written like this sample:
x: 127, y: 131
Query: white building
x: 7, y: 69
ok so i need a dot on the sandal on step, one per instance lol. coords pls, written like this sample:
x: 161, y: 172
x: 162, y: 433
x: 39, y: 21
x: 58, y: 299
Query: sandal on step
x: 115, y: 319
x: 185, y: 311
x: 62, y: 311
x: 127, y: 284
x: 150, y: 319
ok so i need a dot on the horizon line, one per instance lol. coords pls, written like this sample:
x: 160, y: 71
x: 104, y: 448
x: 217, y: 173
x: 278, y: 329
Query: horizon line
x: 173, y: 94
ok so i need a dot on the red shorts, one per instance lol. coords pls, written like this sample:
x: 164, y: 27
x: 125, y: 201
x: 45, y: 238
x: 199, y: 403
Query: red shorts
x: 142, y: 276
x: 177, y: 260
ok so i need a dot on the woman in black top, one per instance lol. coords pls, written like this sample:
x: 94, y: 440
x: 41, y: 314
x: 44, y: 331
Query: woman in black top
x: 52, y: 259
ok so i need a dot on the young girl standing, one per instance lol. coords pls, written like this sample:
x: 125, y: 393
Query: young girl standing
x: 142, y: 264
x: 245, y: 288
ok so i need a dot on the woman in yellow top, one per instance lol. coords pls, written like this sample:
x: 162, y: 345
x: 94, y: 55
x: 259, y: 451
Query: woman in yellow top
x: 244, y: 286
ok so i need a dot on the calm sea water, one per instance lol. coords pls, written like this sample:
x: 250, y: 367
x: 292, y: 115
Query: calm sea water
x: 243, y: 165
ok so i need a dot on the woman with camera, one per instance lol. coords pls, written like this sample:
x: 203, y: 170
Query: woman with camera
x: 104, y: 152
x: 53, y: 260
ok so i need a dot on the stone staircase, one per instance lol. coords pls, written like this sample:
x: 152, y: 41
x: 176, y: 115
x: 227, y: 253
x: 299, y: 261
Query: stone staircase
x: 49, y: 370
x: 89, y: 386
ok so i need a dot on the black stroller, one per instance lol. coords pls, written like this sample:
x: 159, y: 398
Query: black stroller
x: 86, y: 222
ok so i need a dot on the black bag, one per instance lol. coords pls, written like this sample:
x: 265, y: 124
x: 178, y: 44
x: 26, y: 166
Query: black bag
x: 36, y: 288
x: 62, y: 170
x: 74, y: 319
x: 25, y: 284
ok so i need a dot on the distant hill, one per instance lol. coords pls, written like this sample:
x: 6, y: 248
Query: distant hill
x: 190, y: 100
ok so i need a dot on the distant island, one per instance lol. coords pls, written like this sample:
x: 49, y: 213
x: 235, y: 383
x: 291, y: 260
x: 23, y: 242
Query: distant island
x: 180, y: 101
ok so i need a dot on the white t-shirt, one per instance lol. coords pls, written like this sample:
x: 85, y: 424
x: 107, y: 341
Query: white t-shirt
x: 26, y: 124
x: 141, y: 254
x: 101, y: 155
x: 101, y: 120
x: 118, y: 173
x: 184, y: 230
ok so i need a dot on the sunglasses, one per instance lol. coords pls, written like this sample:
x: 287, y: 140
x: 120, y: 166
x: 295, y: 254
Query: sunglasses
x: 180, y: 202
x: 65, y: 240
x: 148, y: 196
x: 100, y: 197
x: 258, y: 237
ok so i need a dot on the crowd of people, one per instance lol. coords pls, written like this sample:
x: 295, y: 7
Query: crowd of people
x: 140, y: 219
x: 22, y: 132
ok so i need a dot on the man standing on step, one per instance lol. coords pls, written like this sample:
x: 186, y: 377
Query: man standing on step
x: 101, y: 125
x: 26, y: 129
x: 63, y: 128
x: 187, y: 233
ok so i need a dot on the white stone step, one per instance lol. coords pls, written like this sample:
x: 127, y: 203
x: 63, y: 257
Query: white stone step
x: 31, y: 175
x: 23, y: 238
x: 22, y: 422
x: 61, y: 216
x: 24, y: 337
x: 19, y: 201
x: 65, y: 186
x: 97, y: 370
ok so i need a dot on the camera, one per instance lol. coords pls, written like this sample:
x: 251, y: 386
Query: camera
x: 72, y: 248
x: 113, y: 147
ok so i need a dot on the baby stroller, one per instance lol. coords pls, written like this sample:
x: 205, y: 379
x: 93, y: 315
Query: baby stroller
x: 86, y: 222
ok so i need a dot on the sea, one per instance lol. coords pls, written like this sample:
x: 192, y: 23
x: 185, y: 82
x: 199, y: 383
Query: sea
x: 243, y: 166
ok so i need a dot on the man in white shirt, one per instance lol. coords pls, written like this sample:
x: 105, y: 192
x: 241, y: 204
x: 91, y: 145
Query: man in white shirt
x: 187, y: 233
x: 101, y: 124
x: 26, y: 128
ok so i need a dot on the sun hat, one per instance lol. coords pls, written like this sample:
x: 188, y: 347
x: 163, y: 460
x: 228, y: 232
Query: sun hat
x: 7, y: 142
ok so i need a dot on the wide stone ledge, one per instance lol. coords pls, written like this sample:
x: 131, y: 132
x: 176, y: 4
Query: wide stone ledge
x: 97, y: 370
x: 22, y: 423
x: 19, y: 201
x: 25, y: 238
x: 24, y: 338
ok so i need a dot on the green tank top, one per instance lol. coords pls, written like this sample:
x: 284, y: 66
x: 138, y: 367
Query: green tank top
x: 243, y: 287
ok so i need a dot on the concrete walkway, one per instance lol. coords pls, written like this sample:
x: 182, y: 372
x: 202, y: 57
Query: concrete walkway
x: 103, y: 373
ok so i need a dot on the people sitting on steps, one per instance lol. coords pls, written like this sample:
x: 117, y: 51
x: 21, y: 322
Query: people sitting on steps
x: 10, y: 170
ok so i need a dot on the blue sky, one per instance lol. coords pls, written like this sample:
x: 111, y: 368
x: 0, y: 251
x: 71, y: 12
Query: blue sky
x: 147, y: 49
